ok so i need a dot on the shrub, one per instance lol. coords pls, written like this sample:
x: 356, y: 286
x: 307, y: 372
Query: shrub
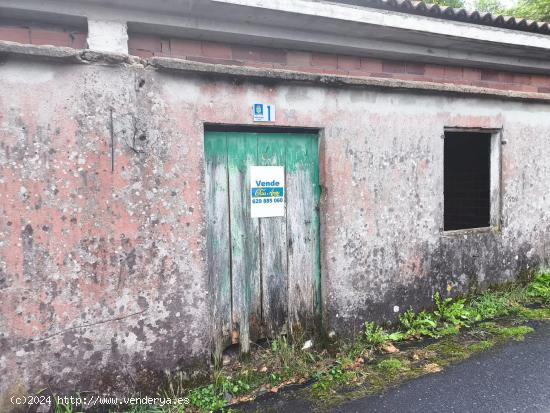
x: 376, y: 335
x: 490, y: 305
x: 419, y: 324
x: 540, y: 286
x: 453, y: 313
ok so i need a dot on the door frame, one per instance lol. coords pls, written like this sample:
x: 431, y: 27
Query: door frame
x: 320, y: 289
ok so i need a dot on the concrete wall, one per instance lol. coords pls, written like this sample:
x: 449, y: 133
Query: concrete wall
x: 102, y: 258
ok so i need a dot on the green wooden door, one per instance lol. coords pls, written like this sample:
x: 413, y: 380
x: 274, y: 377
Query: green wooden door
x: 264, y: 273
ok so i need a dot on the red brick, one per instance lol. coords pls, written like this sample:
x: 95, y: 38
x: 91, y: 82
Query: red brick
x: 371, y: 65
x: 246, y: 53
x: 394, y: 67
x: 147, y: 42
x: 15, y: 34
x: 216, y: 50
x: 544, y: 89
x: 452, y: 72
x: 416, y: 68
x: 490, y: 75
x: 165, y: 47
x: 273, y: 55
x: 349, y: 62
x: 434, y: 71
x: 50, y: 37
x: 506, y: 77
x: 298, y: 59
x: 540, y: 80
x: 471, y: 74
x: 258, y: 54
x: 521, y: 78
x: 183, y: 47
x: 141, y: 53
x: 325, y: 60
x: 78, y: 40
x: 528, y: 88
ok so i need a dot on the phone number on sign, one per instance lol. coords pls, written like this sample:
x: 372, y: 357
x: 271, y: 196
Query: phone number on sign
x: 267, y: 200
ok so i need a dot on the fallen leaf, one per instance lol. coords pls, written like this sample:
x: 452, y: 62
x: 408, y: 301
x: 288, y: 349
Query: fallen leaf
x: 422, y: 354
x: 358, y: 362
x: 432, y: 368
x: 263, y: 369
x: 389, y: 348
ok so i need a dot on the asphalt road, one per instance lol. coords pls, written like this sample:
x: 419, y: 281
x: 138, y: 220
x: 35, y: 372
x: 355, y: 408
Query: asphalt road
x: 514, y: 377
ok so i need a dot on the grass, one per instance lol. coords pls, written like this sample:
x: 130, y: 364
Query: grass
x: 539, y: 288
x: 390, y: 365
x: 481, y: 346
x: 514, y: 332
x: 461, y: 327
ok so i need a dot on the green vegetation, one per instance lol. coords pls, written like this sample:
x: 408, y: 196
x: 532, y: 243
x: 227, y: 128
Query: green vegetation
x: 376, y: 336
x: 491, y: 305
x: 539, y: 288
x: 481, y: 345
x: 529, y: 9
x: 390, y: 365
x: 352, y: 361
x: 513, y: 332
x: 490, y: 6
x: 461, y: 326
x: 535, y: 313
x: 419, y: 324
x: 64, y: 408
x: 451, y: 3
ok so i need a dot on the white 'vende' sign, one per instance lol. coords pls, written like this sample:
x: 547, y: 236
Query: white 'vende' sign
x: 267, y: 191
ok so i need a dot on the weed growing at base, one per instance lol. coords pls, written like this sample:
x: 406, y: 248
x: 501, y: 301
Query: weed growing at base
x: 284, y: 362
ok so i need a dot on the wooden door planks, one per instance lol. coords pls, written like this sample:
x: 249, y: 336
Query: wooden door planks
x: 264, y: 273
x: 217, y: 249
x: 271, y: 152
x: 303, y: 233
x: 245, y: 263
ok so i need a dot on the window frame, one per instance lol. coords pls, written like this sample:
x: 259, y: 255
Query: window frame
x: 495, y: 181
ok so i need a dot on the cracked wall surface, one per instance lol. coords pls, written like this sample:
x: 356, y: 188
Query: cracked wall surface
x: 103, y: 279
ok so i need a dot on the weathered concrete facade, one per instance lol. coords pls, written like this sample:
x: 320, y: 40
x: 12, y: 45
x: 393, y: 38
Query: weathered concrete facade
x: 102, y: 233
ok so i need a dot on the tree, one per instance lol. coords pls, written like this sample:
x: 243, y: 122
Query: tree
x: 529, y: 9
x: 490, y: 6
x: 532, y: 9
x: 457, y: 4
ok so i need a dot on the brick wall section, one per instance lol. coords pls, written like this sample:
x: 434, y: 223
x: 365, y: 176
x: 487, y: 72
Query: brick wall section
x: 210, y: 52
x: 43, y: 35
